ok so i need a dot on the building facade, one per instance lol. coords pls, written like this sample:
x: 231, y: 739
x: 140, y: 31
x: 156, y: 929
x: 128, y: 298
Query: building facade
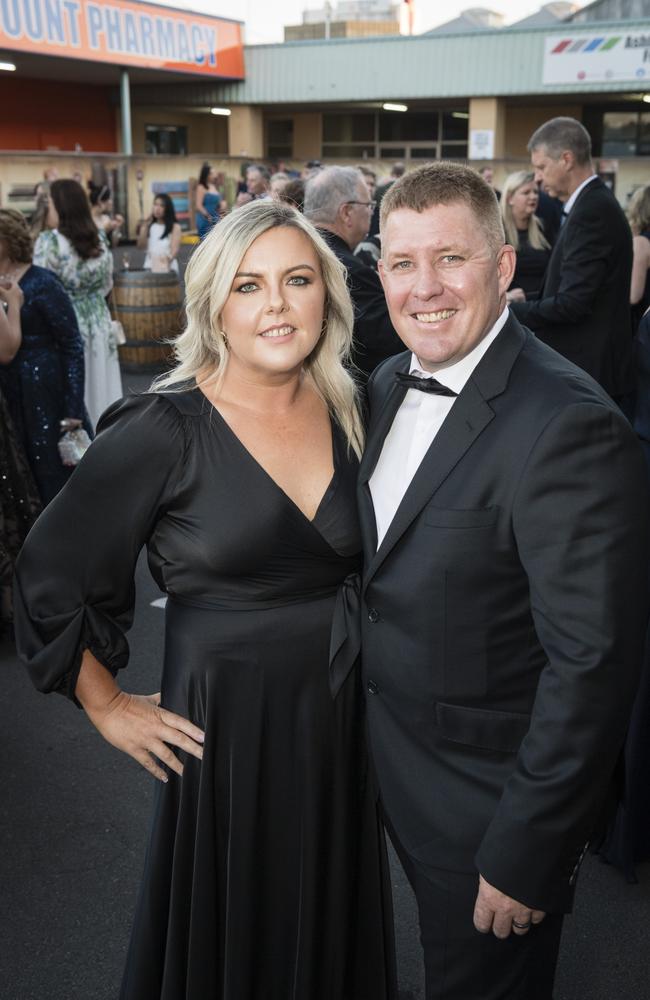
x: 471, y: 95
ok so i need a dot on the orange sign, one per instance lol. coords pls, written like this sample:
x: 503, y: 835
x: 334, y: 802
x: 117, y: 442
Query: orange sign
x: 126, y: 33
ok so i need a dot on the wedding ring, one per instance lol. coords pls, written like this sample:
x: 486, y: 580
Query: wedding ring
x: 521, y: 927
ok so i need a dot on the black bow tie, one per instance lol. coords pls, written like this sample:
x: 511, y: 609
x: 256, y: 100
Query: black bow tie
x: 423, y: 384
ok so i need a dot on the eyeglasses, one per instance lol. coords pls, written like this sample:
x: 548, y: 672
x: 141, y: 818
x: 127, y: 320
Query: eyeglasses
x: 372, y: 205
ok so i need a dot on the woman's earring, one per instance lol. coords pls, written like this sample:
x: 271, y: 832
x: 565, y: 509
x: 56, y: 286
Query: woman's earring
x: 225, y: 339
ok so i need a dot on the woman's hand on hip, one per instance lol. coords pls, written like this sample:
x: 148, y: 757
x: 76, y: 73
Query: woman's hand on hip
x: 138, y: 725
x: 135, y: 723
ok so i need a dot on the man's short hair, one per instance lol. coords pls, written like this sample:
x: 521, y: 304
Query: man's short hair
x: 444, y: 183
x: 327, y: 190
x: 261, y: 169
x: 366, y: 171
x: 560, y: 135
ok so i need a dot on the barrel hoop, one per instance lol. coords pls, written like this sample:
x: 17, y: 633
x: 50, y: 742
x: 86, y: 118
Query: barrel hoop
x: 147, y: 343
x: 140, y: 281
x: 172, y: 307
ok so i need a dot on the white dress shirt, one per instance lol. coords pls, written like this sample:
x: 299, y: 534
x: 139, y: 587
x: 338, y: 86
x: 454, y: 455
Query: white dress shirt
x: 570, y: 202
x: 416, y: 423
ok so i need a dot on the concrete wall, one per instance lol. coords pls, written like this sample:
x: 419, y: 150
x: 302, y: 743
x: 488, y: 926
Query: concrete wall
x: 521, y: 122
x: 307, y: 135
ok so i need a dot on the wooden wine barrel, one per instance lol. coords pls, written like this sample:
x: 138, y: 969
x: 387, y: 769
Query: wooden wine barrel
x: 149, y: 306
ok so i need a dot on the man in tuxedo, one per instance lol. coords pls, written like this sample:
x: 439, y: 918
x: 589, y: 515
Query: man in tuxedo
x: 583, y: 308
x: 337, y: 201
x: 503, y: 510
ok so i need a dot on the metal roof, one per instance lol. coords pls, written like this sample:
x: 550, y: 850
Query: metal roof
x: 503, y: 62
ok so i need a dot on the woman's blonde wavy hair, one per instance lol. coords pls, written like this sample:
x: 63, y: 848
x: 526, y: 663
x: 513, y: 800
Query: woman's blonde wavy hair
x: 536, y: 236
x: 638, y: 210
x: 208, y: 283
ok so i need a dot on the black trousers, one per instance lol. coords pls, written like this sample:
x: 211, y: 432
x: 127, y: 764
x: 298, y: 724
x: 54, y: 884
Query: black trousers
x: 460, y: 962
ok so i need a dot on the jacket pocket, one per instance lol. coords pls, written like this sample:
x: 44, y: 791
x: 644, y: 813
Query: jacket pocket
x: 440, y: 517
x: 484, y: 728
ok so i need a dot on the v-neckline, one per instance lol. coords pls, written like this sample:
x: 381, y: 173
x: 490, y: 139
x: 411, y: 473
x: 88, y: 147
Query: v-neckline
x: 329, y: 489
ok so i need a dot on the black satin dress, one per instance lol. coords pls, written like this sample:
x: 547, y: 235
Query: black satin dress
x: 265, y: 877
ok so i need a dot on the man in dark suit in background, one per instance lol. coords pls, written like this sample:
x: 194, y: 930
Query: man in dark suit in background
x: 337, y: 201
x: 583, y: 309
x: 503, y: 509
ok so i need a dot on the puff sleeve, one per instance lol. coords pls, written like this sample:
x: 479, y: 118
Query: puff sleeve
x: 74, y: 588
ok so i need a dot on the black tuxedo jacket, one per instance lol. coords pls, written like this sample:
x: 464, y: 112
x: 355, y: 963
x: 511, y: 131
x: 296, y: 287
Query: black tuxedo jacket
x: 583, y: 308
x: 374, y: 335
x: 503, y: 619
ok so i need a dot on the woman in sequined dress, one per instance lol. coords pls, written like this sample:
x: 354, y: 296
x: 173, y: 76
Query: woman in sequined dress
x: 18, y: 499
x: 44, y: 383
x: 72, y: 248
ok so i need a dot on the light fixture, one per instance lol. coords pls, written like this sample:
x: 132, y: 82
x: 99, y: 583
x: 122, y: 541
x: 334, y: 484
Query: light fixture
x: 460, y: 114
x: 646, y: 98
x: 221, y: 111
x: 8, y: 67
x: 395, y: 107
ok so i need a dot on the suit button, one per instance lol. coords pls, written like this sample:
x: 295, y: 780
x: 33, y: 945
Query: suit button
x: 372, y: 688
x: 373, y: 615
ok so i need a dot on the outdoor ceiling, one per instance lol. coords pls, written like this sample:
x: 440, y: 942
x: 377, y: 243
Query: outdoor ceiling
x: 39, y: 67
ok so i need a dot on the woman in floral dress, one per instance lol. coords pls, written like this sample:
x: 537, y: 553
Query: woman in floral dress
x: 73, y: 249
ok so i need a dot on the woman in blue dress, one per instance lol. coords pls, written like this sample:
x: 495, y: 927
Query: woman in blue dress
x: 209, y: 204
x: 44, y: 384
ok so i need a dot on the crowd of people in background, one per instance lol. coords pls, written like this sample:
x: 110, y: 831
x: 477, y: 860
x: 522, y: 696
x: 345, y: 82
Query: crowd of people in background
x: 335, y: 305
x: 59, y: 364
x: 72, y: 231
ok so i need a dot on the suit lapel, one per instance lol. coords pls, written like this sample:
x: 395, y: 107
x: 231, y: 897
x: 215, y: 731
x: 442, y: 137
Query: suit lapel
x: 469, y: 416
x: 379, y: 428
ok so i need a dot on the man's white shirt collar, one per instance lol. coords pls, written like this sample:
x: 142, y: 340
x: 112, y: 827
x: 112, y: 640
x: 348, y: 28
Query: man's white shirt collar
x: 570, y: 202
x: 455, y: 376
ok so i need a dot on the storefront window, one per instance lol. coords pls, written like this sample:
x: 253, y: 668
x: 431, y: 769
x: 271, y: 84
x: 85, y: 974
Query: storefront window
x: 455, y: 125
x: 349, y: 151
x: 453, y: 151
x: 279, y: 138
x: 166, y: 140
x: 392, y: 135
x: 619, y: 133
x: 348, y: 128
x: 398, y: 126
x: 644, y: 134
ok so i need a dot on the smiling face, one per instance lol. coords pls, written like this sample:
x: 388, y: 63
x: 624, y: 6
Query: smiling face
x: 523, y: 201
x: 158, y: 210
x: 274, y: 313
x: 553, y: 174
x: 444, y: 284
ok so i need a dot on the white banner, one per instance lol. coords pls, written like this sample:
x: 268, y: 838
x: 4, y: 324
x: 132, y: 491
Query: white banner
x: 597, y: 58
x: 481, y: 144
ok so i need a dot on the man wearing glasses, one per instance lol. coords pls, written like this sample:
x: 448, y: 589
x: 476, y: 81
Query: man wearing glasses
x: 338, y: 202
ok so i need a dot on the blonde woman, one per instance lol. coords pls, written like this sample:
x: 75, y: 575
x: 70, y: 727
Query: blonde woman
x: 518, y: 204
x: 638, y: 214
x: 237, y: 471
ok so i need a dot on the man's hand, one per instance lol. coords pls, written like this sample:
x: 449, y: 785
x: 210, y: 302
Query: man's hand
x: 496, y: 912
